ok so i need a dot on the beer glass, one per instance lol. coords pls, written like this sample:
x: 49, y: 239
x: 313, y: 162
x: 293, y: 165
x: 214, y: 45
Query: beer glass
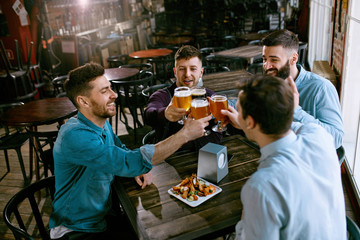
x: 200, y: 109
x: 217, y: 103
x: 198, y: 93
x: 182, y: 99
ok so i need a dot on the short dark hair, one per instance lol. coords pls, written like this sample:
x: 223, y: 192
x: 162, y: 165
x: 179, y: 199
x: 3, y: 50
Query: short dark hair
x: 283, y: 37
x: 79, y: 79
x: 187, y: 52
x: 270, y: 101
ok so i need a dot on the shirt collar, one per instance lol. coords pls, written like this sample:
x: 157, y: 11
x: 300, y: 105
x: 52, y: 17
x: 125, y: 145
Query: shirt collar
x: 91, y: 125
x: 301, y: 76
x: 278, y: 144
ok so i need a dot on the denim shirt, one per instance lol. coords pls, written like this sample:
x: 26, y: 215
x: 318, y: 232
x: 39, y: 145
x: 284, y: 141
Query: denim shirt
x: 86, y: 159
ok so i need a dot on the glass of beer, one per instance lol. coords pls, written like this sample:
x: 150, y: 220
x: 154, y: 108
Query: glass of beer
x: 199, y: 109
x: 198, y: 93
x: 217, y: 103
x: 182, y: 99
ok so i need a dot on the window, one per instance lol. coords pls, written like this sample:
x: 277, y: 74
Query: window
x: 350, y: 100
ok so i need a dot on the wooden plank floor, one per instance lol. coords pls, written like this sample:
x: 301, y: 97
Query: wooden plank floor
x: 13, y: 181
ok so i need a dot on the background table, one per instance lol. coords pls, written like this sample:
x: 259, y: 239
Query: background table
x: 225, y: 82
x: 112, y: 74
x: 155, y: 214
x: 39, y: 112
x: 151, y: 53
x: 248, y: 52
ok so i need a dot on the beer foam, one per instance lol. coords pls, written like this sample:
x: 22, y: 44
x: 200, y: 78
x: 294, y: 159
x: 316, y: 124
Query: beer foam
x: 182, y: 93
x: 199, y: 103
x: 198, y: 91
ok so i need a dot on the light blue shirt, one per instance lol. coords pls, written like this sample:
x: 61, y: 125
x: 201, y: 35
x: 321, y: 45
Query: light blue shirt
x: 296, y: 193
x: 86, y: 159
x: 319, y: 103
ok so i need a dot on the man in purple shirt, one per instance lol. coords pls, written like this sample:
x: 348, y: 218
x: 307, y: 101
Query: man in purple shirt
x: 160, y: 112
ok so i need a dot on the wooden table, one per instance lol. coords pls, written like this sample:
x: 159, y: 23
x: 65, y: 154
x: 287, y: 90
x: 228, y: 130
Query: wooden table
x: 225, y: 82
x: 151, y: 53
x: 248, y: 52
x: 112, y: 74
x: 154, y: 214
x: 39, y: 112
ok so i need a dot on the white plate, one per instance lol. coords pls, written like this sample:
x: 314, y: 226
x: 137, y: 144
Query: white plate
x: 200, y: 199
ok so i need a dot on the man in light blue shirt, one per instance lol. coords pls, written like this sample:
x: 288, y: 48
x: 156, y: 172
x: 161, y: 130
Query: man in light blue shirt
x: 87, y: 156
x: 319, y: 101
x: 296, y: 192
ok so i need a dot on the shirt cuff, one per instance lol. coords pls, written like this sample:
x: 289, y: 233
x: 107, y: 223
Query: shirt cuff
x: 147, y: 151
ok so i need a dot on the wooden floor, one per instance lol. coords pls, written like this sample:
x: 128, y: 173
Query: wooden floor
x: 13, y: 181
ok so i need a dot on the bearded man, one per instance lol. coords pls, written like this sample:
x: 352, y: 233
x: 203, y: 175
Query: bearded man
x: 319, y: 101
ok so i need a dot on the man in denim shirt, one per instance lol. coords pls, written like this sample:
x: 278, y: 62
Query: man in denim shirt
x: 87, y: 156
x: 296, y: 192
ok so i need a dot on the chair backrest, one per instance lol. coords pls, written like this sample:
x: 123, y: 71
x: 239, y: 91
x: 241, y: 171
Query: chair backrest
x: 231, y: 63
x: 17, y: 86
x: 255, y: 42
x: 341, y: 154
x: 140, y: 66
x: 230, y: 42
x: 147, y: 92
x: 353, y: 231
x: 43, y: 145
x: 130, y: 92
x: 163, y: 69
x: 215, y: 69
x: 58, y: 84
x: 118, y: 60
x: 256, y: 68
x: 26, y: 199
x: 302, y: 53
x: 149, y: 138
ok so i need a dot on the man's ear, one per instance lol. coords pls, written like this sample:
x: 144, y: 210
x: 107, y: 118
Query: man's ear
x: 250, y: 122
x: 294, y: 58
x: 82, y: 101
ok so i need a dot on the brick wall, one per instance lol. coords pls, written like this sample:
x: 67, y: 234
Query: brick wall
x: 339, y: 33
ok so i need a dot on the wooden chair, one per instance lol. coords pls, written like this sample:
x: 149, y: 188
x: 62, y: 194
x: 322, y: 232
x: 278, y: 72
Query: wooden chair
x: 58, y: 85
x: 14, y: 140
x: 43, y: 145
x: 118, y: 60
x: 302, y: 53
x: 341, y: 154
x: 353, y: 231
x: 149, y: 138
x: 36, y: 75
x: 162, y: 69
x: 215, y: 69
x: 256, y: 68
x: 147, y: 92
x: 18, y: 209
x: 130, y: 96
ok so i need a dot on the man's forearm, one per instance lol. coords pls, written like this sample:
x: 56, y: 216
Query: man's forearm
x: 168, y: 146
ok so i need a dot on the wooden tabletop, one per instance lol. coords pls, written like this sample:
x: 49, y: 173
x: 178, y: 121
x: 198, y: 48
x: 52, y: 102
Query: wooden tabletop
x: 224, y: 81
x: 155, y: 214
x: 248, y: 52
x: 39, y: 112
x: 112, y: 74
x: 151, y: 53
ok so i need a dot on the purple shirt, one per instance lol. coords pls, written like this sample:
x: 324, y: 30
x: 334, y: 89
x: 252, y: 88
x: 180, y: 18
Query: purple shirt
x: 155, y: 117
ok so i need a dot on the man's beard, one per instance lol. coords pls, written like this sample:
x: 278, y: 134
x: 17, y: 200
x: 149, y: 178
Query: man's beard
x: 283, y: 72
